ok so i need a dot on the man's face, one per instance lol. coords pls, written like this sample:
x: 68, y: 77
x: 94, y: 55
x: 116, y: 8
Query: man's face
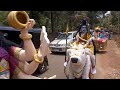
x: 83, y: 30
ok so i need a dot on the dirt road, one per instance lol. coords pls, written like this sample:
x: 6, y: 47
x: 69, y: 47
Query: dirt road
x: 108, y: 62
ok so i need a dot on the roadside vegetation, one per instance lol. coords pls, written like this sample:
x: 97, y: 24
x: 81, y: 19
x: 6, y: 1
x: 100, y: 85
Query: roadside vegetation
x: 56, y: 21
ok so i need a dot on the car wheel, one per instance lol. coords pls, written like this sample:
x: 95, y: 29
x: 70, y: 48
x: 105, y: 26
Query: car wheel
x: 43, y: 67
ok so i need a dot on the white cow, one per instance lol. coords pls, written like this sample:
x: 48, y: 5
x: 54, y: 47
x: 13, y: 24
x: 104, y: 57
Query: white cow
x: 79, y: 63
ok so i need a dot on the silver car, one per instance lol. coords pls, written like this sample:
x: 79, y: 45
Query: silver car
x: 59, y: 44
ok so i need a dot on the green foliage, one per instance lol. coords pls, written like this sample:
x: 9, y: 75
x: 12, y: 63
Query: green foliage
x: 3, y: 17
x: 94, y: 21
x: 114, y: 19
x: 56, y: 21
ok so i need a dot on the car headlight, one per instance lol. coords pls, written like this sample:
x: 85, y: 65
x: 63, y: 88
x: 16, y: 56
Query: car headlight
x: 61, y: 44
x: 50, y: 44
x: 64, y: 45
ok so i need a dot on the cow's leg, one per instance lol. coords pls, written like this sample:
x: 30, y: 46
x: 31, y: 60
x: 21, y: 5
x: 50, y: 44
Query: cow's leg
x: 86, y: 70
x: 71, y: 76
x: 93, y: 63
x: 69, y: 71
x: 92, y: 58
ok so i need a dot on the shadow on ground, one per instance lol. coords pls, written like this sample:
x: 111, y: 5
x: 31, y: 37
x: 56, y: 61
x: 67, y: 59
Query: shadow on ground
x: 101, y: 52
x: 58, y: 53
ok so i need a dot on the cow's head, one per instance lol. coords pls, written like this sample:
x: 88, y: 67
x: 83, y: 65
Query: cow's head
x: 77, y: 60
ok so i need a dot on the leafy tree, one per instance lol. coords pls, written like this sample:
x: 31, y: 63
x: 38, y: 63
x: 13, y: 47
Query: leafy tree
x: 3, y: 18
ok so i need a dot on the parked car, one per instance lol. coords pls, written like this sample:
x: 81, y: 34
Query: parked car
x: 59, y: 44
x: 13, y: 35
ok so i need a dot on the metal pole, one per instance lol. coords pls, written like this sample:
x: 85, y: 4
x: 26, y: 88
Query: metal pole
x: 66, y: 48
x: 66, y: 40
x: 118, y: 23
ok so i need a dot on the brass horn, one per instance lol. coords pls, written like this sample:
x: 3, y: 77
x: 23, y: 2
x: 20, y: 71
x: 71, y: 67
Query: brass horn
x: 18, y: 19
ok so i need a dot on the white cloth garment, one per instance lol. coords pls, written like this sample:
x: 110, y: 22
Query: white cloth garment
x: 44, y: 46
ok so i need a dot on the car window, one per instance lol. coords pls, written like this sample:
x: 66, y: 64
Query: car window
x: 74, y: 34
x: 69, y: 36
x: 63, y: 36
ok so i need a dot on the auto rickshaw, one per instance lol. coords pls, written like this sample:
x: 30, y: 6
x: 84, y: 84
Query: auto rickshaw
x: 100, y: 44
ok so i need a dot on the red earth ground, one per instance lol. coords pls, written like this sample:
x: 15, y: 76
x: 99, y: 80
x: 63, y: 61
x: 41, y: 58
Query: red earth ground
x: 108, y: 62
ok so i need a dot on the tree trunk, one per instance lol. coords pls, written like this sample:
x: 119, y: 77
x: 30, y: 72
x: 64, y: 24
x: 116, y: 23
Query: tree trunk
x: 52, y: 24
